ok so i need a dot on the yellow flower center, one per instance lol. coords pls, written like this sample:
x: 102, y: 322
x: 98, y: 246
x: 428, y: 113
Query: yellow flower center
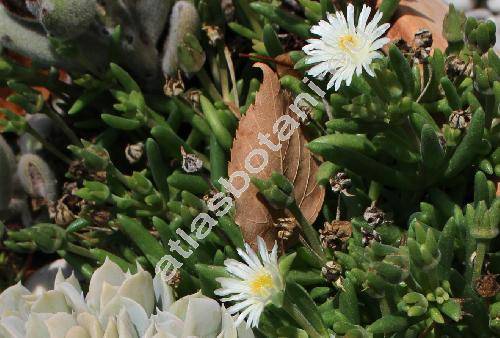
x: 261, y: 284
x: 347, y: 42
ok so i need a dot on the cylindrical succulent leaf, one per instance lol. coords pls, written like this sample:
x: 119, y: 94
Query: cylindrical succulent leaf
x: 190, y: 53
x: 7, y: 169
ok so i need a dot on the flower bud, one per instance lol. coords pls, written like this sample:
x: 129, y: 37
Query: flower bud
x: 483, y: 222
x: 139, y: 183
x: 495, y: 316
x: 278, y: 198
x: 416, y: 311
x: 94, y: 156
x: 94, y: 191
x: 48, y: 237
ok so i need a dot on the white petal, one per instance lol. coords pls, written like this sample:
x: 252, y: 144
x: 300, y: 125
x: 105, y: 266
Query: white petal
x: 240, y: 306
x: 350, y: 18
x: 369, y: 70
x: 380, y: 43
x: 363, y: 18
x: 274, y: 254
x: 253, y: 256
x: 238, y: 269
x: 331, y: 54
x: 244, y: 315
x: 264, y: 254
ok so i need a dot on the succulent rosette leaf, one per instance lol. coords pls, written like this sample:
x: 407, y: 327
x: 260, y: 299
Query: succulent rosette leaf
x: 118, y: 304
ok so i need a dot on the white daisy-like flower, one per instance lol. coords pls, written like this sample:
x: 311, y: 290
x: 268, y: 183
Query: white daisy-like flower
x: 343, y: 48
x: 253, y: 283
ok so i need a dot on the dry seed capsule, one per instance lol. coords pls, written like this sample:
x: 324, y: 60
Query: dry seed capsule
x: 134, y: 152
x: 335, y: 235
x: 36, y: 178
x: 374, y: 216
x: 183, y: 20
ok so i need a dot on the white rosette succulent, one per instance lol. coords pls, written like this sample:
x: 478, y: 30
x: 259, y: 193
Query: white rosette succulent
x: 118, y: 304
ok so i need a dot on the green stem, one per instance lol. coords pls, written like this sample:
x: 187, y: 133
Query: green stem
x: 223, y: 74
x: 251, y: 16
x: 80, y: 251
x: 424, y: 91
x: 208, y: 84
x: 230, y: 66
x: 385, y: 309
x: 119, y: 175
x: 58, y: 120
x: 309, y: 232
x: 48, y: 145
x: 35, y: 78
x: 299, y: 317
x: 153, y: 118
x: 433, y: 278
x: 482, y: 247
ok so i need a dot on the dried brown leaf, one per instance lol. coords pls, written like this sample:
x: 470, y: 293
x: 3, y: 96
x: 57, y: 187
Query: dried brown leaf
x: 411, y: 16
x: 293, y: 160
x: 284, y: 66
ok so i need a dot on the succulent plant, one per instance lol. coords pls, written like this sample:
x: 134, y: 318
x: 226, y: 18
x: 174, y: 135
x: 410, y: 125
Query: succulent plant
x: 117, y: 304
x: 184, y: 20
x: 7, y: 168
x: 28, y: 176
x: 75, y: 34
x: 36, y: 177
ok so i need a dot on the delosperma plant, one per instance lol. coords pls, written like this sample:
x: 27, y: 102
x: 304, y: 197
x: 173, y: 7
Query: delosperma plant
x: 131, y: 112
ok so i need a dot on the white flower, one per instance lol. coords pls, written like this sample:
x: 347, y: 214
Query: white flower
x: 343, y: 48
x: 118, y: 304
x: 254, y: 283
